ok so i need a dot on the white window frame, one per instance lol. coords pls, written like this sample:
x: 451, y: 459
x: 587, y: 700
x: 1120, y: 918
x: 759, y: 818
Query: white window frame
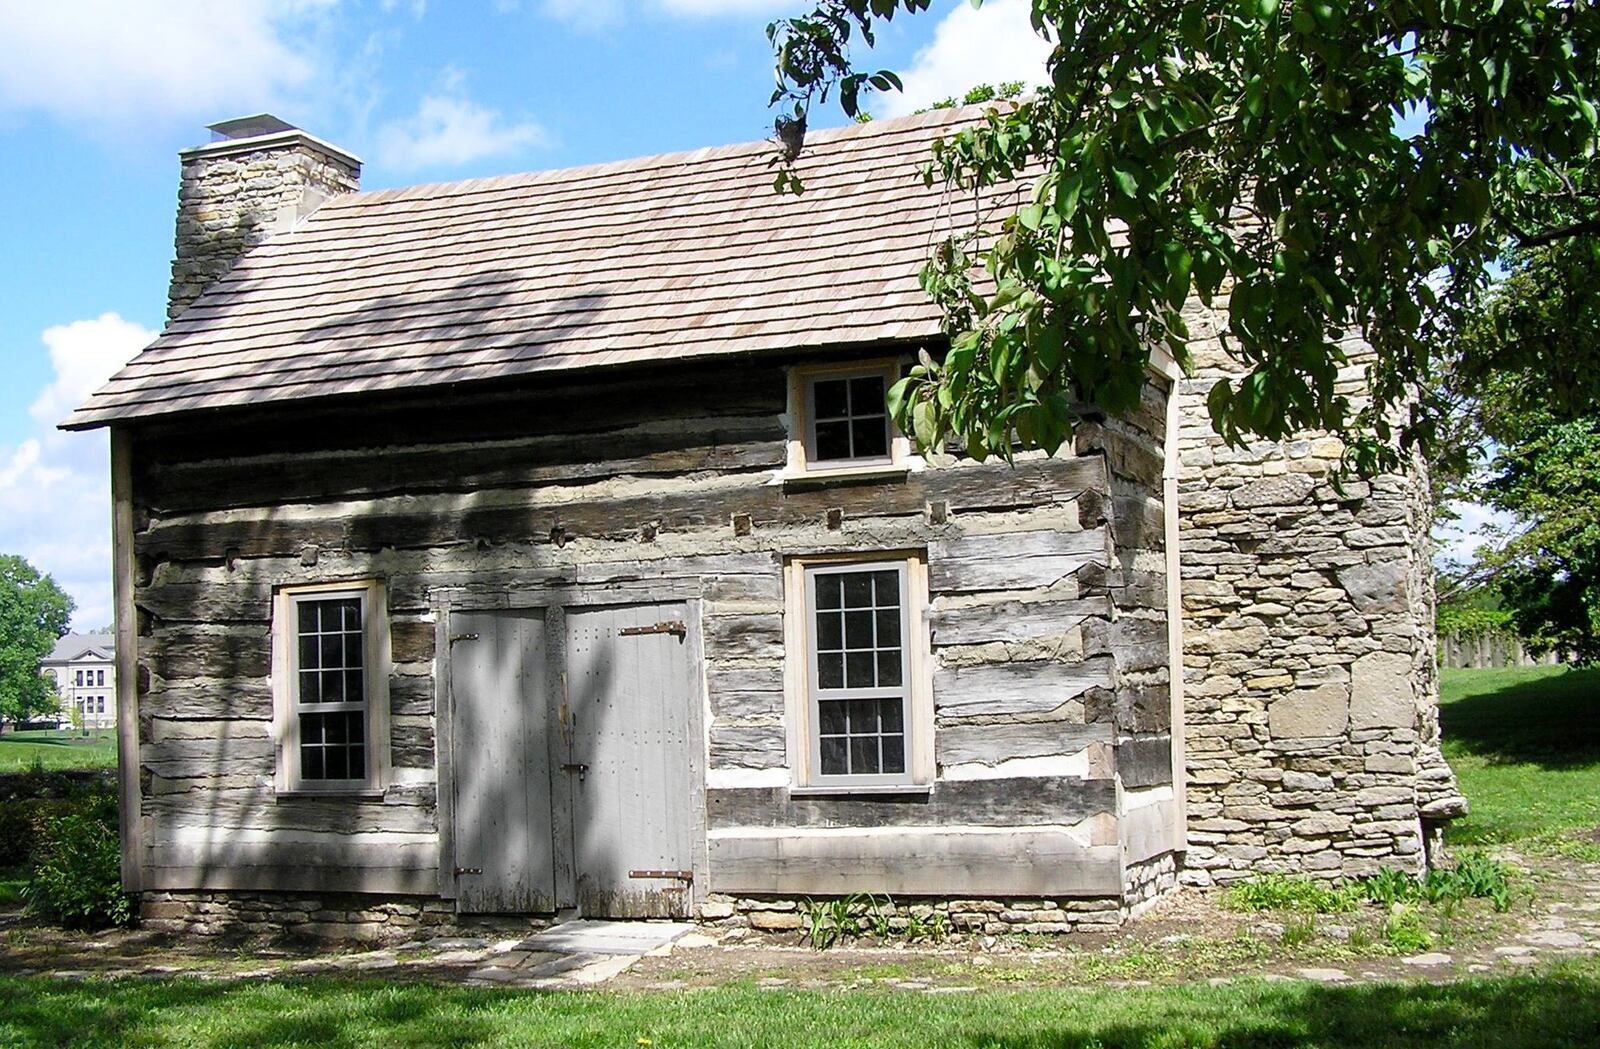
x: 800, y: 670
x: 802, y: 461
x: 286, y: 685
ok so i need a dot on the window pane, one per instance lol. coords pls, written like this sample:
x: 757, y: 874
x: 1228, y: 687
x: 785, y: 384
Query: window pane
x: 835, y: 760
x: 308, y: 617
x: 308, y: 687
x: 894, y: 753
x: 311, y: 766
x: 889, y: 628
x: 829, y: 399
x: 353, y: 644
x: 338, y: 763
x: 858, y: 629
x: 858, y: 670
x: 830, y: 670
x: 866, y: 395
x: 833, y: 440
x: 828, y: 591
x: 332, y: 687
x: 858, y: 590
x: 890, y: 712
x: 888, y: 669
x: 831, y: 718
x: 887, y: 586
x: 864, y: 756
x: 358, y: 762
x: 332, y: 649
x: 830, y: 635
x: 353, y: 687
x: 869, y: 438
x: 863, y: 717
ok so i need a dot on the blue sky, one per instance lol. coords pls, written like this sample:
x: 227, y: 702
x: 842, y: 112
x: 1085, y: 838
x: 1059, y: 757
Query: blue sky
x: 98, y: 96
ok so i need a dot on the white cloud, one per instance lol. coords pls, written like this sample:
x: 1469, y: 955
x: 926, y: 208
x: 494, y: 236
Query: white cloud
x: 1475, y: 526
x: 55, y: 488
x: 986, y: 45
x: 449, y: 129
x: 587, y: 15
x: 114, y: 62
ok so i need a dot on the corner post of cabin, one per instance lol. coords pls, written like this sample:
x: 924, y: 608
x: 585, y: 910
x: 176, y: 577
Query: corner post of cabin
x: 130, y: 809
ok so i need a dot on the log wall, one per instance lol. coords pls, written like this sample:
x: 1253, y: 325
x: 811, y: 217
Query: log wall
x: 1046, y: 614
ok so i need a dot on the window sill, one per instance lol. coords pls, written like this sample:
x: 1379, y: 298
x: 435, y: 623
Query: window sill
x: 821, y: 478
x: 357, y: 793
x: 844, y: 790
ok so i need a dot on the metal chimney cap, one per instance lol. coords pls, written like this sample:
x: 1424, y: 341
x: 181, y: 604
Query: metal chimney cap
x: 248, y: 127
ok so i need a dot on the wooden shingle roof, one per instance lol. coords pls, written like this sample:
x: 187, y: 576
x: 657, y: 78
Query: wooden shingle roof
x: 679, y: 256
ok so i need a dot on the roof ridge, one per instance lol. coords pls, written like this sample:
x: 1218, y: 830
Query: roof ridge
x: 910, y: 122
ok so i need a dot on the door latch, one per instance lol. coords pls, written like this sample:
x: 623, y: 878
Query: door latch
x: 462, y: 637
x: 675, y: 627
x: 580, y: 767
x: 468, y: 870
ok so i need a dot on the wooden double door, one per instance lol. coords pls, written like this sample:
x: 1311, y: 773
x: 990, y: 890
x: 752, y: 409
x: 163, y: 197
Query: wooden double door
x: 572, y: 760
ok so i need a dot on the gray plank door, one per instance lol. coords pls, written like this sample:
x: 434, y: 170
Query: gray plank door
x: 630, y: 690
x: 500, y: 760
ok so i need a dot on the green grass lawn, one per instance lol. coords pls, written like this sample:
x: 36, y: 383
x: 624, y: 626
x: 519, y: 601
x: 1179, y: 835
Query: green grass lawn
x: 19, y: 751
x: 1525, y: 744
x: 1557, y: 1008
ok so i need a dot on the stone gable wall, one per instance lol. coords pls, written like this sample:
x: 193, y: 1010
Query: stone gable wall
x: 1311, y: 689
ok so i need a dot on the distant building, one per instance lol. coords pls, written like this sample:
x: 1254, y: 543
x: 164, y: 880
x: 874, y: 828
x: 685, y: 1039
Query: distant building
x: 83, y: 668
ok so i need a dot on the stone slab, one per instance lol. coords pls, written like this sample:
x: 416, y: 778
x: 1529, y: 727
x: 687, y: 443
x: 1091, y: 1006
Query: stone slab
x: 586, y: 936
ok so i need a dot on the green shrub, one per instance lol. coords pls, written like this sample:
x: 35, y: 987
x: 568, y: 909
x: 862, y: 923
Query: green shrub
x: 1278, y: 892
x: 1404, y: 932
x: 76, y: 880
x: 21, y: 823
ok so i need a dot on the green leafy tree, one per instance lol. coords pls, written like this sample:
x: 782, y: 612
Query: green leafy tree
x: 1515, y: 446
x: 1316, y: 166
x: 34, y: 613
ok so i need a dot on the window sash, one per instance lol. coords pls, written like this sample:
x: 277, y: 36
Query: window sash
x: 816, y: 695
x: 809, y: 389
x: 297, y: 706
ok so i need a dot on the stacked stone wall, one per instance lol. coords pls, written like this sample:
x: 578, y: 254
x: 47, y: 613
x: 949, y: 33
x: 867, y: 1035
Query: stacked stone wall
x: 1311, y: 692
x: 354, y: 917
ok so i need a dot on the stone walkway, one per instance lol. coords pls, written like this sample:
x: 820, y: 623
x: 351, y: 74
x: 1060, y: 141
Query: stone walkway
x: 1562, y: 922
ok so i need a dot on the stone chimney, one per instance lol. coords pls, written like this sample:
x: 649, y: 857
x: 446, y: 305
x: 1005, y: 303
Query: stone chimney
x: 258, y: 176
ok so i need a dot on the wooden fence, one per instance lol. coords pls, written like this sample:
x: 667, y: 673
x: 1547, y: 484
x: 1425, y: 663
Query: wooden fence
x: 1489, y: 650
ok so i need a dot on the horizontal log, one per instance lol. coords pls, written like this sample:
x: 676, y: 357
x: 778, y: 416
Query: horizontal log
x: 985, y: 864
x: 744, y: 636
x: 262, y: 810
x: 1012, y: 620
x: 1144, y: 761
x: 216, y: 756
x: 1149, y: 830
x: 742, y: 693
x: 411, y: 746
x: 301, y: 848
x: 1135, y: 643
x: 411, y: 694
x: 1035, y: 687
x: 399, y: 881
x: 1138, y: 522
x: 993, y: 744
x: 229, y: 654
x: 1024, y: 801
x: 1145, y: 709
x: 748, y: 746
x: 433, y: 521
x: 209, y: 700
x: 411, y: 641
x: 1014, y: 560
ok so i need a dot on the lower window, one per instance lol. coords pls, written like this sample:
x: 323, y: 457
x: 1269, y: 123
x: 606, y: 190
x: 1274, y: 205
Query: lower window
x: 858, y: 672
x: 333, y: 655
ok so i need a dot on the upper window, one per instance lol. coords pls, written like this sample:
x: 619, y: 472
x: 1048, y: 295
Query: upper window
x: 331, y: 716
x: 840, y: 419
x: 862, y: 665
x: 80, y: 678
x: 99, y: 678
x: 849, y: 420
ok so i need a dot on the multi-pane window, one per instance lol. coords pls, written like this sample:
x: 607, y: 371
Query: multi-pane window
x: 848, y: 419
x: 857, y: 680
x: 330, y: 687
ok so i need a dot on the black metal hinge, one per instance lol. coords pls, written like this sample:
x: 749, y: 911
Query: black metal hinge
x: 671, y: 626
x: 468, y: 870
x: 665, y: 875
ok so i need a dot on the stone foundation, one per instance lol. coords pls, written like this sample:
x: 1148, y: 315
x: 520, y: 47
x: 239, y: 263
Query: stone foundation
x: 320, y: 916
x: 1050, y: 916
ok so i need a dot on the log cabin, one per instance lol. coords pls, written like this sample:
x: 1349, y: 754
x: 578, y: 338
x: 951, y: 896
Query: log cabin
x: 539, y: 545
